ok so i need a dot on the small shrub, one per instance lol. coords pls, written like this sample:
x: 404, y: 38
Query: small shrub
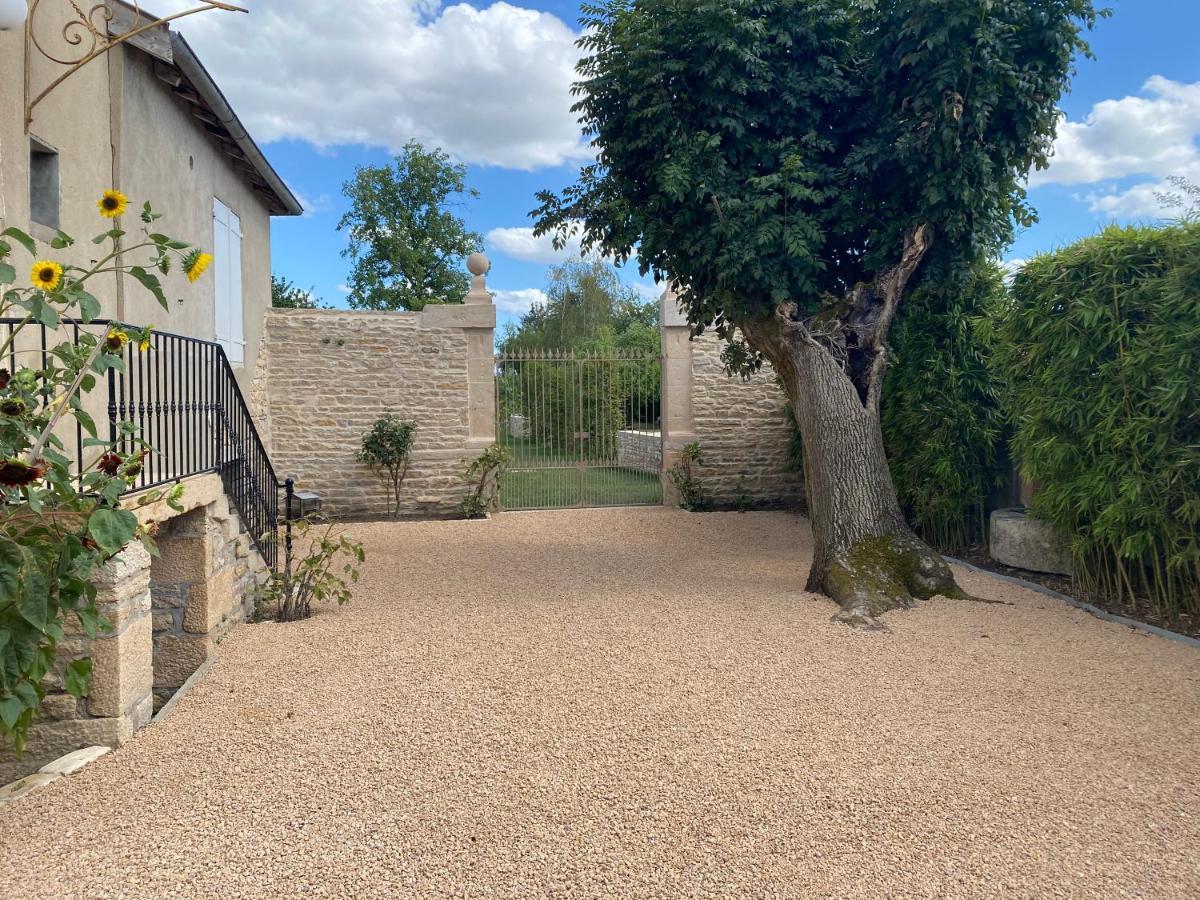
x: 387, y: 449
x: 484, y: 475
x: 323, y: 574
x: 687, y: 482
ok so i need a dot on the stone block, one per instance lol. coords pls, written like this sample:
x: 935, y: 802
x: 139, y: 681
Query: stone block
x: 59, y: 707
x: 1021, y: 541
x: 187, y: 558
x: 122, y: 669
x: 209, y: 603
x: 176, y: 657
x: 168, y: 596
x: 50, y: 740
x: 29, y: 783
x: 74, y: 761
x: 167, y: 620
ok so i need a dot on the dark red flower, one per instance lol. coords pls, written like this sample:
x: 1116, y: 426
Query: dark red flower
x: 12, y: 406
x: 5, y: 378
x: 109, y: 464
x: 17, y: 473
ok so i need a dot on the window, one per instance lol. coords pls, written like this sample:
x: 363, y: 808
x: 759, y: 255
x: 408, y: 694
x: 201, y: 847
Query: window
x: 43, y: 184
x: 227, y: 272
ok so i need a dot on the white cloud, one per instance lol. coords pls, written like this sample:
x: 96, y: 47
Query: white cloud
x: 490, y: 86
x: 520, y: 244
x: 1151, y: 135
x: 518, y: 302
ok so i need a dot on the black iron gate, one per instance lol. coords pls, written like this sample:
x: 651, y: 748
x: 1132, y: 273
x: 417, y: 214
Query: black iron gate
x: 583, y: 428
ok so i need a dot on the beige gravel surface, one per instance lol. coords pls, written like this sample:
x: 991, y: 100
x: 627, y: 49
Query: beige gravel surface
x: 641, y: 703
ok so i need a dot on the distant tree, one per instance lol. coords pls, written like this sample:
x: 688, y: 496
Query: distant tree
x: 286, y: 295
x: 587, y: 308
x: 792, y: 165
x: 408, y: 247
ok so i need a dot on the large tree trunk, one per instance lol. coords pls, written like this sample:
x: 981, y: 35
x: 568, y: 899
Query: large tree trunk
x: 865, y: 556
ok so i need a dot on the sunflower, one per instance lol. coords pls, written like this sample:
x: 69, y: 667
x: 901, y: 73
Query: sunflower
x: 112, y: 204
x: 46, y: 274
x: 115, y: 340
x: 195, y: 263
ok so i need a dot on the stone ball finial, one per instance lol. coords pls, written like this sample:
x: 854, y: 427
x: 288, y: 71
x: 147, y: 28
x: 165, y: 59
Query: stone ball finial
x: 478, y: 265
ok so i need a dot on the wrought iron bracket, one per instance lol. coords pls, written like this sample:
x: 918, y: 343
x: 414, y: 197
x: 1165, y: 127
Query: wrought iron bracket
x: 87, y: 38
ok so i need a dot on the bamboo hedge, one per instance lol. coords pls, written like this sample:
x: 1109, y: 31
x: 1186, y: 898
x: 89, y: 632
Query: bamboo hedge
x: 1097, y: 352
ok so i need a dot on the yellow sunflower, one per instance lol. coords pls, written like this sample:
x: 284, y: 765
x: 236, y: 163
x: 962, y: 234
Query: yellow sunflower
x: 116, y: 339
x: 144, y: 343
x: 46, y: 274
x: 112, y: 204
x: 195, y: 264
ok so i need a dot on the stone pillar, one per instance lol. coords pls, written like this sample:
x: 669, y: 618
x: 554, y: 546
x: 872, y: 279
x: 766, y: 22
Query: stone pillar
x: 678, y: 417
x: 481, y: 362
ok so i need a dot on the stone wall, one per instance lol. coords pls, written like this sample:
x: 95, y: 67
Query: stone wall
x: 640, y: 450
x: 741, y: 425
x: 168, y: 613
x: 329, y: 374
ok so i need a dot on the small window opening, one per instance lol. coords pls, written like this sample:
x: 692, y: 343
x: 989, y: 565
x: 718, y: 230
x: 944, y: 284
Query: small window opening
x: 43, y: 184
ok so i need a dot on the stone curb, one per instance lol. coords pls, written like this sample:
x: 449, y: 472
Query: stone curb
x: 62, y: 767
x: 169, y: 706
x: 1079, y: 604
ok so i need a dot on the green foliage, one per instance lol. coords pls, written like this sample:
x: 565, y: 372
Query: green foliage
x: 761, y: 151
x: 483, y: 474
x: 408, y: 247
x: 322, y: 575
x: 687, y: 481
x: 286, y: 295
x: 57, y: 526
x: 587, y: 309
x: 942, y: 423
x: 1098, y: 354
x: 386, y: 448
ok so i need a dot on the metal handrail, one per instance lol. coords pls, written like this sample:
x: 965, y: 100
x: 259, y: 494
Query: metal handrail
x: 185, y: 400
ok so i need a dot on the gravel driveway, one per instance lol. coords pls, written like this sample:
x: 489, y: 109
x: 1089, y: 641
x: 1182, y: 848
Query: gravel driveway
x: 641, y: 703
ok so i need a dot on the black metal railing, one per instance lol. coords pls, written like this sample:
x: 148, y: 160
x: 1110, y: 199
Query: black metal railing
x: 182, y: 397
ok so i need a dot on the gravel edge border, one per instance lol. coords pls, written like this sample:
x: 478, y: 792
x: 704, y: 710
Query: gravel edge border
x: 191, y: 682
x: 1096, y: 611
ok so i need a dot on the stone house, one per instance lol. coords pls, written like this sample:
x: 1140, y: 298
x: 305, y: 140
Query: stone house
x: 147, y: 119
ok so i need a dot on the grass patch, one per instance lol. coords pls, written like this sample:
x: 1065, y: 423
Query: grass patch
x: 559, y: 488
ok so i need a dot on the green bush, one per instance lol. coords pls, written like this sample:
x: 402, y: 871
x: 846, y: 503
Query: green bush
x: 386, y: 448
x: 483, y: 474
x: 1098, y: 352
x: 943, y: 426
x: 683, y: 475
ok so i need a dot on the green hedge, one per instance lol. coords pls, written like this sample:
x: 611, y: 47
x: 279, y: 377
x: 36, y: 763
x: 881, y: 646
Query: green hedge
x: 943, y: 426
x: 1098, y: 352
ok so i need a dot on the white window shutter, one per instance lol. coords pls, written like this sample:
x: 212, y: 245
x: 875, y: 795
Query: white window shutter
x: 227, y: 272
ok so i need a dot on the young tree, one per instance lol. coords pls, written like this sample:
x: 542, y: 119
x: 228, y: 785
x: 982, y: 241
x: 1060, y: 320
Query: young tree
x: 791, y: 165
x: 407, y: 245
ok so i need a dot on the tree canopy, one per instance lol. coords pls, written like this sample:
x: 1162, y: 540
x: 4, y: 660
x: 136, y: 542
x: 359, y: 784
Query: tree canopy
x: 587, y: 308
x: 763, y: 151
x: 408, y: 246
x: 285, y: 294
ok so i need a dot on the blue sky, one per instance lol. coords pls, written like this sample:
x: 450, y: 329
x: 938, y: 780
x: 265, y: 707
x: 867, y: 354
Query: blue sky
x: 489, y: 83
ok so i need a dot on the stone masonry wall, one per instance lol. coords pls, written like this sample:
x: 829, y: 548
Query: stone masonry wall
x: 741, y: 425
x: 329, y: 374
x: 743, y: 430
x: 168, y: 613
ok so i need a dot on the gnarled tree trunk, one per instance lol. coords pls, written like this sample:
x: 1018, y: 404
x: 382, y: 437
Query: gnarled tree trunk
x: 865, y: 556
